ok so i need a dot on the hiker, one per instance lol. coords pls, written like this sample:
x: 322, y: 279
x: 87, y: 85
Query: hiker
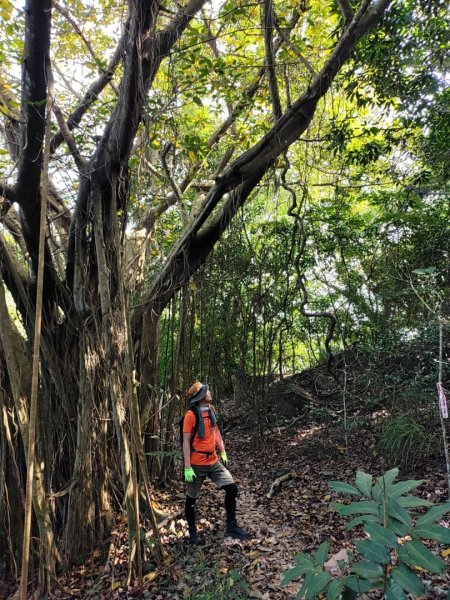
x: 201, y: 436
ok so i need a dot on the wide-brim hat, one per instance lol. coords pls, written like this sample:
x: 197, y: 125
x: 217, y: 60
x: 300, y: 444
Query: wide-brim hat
x: 197, y: 392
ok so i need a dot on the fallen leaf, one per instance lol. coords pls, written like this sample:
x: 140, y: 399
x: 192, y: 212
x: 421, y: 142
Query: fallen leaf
x: 332, y: 564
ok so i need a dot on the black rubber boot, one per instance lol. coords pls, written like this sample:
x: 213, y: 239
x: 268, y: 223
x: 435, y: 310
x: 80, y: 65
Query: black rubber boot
x: 237, y: 533
x: 194, y: 536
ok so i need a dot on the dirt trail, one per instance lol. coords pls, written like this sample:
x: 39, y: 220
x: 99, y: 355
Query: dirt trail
x: 297, y: 518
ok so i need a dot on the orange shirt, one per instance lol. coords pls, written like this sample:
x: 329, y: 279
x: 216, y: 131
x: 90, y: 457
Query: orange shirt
x: 208, y: 444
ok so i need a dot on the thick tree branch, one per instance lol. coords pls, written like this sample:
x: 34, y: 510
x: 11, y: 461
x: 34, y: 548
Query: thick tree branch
x: 34, y: 94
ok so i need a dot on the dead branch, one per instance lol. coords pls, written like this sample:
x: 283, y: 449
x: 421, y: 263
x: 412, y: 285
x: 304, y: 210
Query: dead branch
x: 277, y: 484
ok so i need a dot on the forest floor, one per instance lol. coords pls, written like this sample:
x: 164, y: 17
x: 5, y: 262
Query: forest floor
x: 297, y: 518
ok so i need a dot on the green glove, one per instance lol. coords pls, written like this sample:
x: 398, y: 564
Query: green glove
x: 224, y: 457
x: 189, y: 474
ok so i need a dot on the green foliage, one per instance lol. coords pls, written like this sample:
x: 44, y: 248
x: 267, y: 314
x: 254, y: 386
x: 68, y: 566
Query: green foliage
x: 394, y: 549
x: 403, y: 441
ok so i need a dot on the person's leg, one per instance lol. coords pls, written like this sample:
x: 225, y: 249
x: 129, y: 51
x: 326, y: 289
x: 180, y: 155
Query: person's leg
x: 192, y: 492
x: 224, y: 480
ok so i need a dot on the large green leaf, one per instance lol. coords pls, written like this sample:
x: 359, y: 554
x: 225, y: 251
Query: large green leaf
x: 434, y: 514
x: 322, y: 553
x: 394, y: 591
x: 314, y: 584
x: 377, y: 492
x: 403, y: 487
x: 383, y: 536
x: 334, y: 590
x: 361, y: 521
x: 367, y: 569
x: 373, y: 551
x: 400, y: 529
x: 429, y: 531
x: 359, y: 584
x: 363, y: 507
x: 304, y: 566
x: 388, y: 478
x: 336, y: 506
x: 346, y: 488
x: 417, y: 555
x: 413, y: 502
x: 407, y: 579
x: 398, y: 512
x: 364, y: 483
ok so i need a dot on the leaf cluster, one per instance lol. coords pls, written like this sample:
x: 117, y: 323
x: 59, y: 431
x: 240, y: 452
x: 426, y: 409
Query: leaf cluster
x: 394, y: 549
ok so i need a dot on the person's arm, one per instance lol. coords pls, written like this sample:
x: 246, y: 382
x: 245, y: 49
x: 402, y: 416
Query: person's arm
x: 219, y: 441
x: 221, y: 445
x: 187, y: 449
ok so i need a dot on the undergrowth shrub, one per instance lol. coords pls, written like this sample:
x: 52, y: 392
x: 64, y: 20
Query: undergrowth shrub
x: 404, y: 441
x: 388, y: 560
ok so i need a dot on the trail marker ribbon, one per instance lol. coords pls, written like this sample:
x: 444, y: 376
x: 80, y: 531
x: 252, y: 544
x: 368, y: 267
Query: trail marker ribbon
x: 442, y: 401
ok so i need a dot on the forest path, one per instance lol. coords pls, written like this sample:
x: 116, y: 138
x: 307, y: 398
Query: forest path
x: 297, y: 518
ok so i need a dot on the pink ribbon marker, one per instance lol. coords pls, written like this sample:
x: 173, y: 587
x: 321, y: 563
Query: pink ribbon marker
x: 442, y: 401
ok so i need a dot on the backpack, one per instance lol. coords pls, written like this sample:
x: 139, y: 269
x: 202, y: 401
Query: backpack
x: 196, y: 412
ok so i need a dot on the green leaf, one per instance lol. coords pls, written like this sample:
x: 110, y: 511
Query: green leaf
x: 388, y: 478
x: 396, y: 511
x: 377, y: 491
x: 336, y: 506
x: 364, y: 507
x: 381, y: 535
x: 361, y: 521
x: 304, y: 566
x: 394, y: 591
x: 314, y: 584
x: 322, y: 553
x: 346, y: 488
x: 434, y: 514
x: 402, y: 487
x: 413, y: 502
x: 291, y: 574
x: 400, y: 529
x: 407, y: 579
x: 432, y: 532
x: 364, y: 483
x: 334, y: 590
x: 367, y: 569
x: 373, y: 551
x: 358, y: 584
x: 419, y: 556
